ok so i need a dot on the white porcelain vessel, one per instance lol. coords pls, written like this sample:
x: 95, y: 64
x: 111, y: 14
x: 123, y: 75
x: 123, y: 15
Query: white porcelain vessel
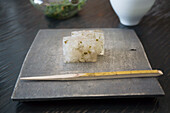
x: 130, y: 12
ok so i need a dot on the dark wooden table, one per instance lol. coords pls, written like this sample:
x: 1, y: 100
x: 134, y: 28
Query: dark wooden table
x: 19, y: 23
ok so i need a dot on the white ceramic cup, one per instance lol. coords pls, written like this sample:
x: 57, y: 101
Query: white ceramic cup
x: 130, y: 12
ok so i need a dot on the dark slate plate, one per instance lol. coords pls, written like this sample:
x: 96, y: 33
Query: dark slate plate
x: 123, y: 51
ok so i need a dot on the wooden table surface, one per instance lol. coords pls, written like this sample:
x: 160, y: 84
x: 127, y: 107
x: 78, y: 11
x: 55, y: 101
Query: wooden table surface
x: 19, y: 23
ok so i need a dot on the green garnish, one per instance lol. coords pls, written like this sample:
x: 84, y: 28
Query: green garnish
x: 66, y: 41
x: 89, y: 52
x: 85, y: 53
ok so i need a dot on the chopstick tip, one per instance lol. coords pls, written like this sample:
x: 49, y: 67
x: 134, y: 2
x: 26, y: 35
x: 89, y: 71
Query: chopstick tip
x: 160, y: 72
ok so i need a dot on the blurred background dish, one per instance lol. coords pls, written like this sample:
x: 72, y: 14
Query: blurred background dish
x: 59, y: 9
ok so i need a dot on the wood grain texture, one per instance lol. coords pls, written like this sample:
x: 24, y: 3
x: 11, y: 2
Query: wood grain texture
x: 19, y: 23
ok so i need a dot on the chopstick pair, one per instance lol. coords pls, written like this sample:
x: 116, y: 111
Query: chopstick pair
x: 99, y: 75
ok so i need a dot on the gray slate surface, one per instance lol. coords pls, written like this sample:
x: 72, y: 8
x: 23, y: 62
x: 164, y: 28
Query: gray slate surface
x: 45, y: 58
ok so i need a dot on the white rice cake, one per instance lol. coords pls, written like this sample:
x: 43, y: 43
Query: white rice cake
x: 98, y: 35
x: 76, y: 49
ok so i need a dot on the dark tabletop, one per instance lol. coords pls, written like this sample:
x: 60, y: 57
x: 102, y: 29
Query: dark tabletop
x: 19, y: 23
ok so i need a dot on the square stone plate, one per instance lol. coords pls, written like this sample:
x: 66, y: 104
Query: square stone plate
x: 123, y: 51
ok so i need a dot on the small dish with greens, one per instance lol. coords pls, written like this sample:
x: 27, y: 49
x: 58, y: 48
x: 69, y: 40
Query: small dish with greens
x: 59, y: 9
